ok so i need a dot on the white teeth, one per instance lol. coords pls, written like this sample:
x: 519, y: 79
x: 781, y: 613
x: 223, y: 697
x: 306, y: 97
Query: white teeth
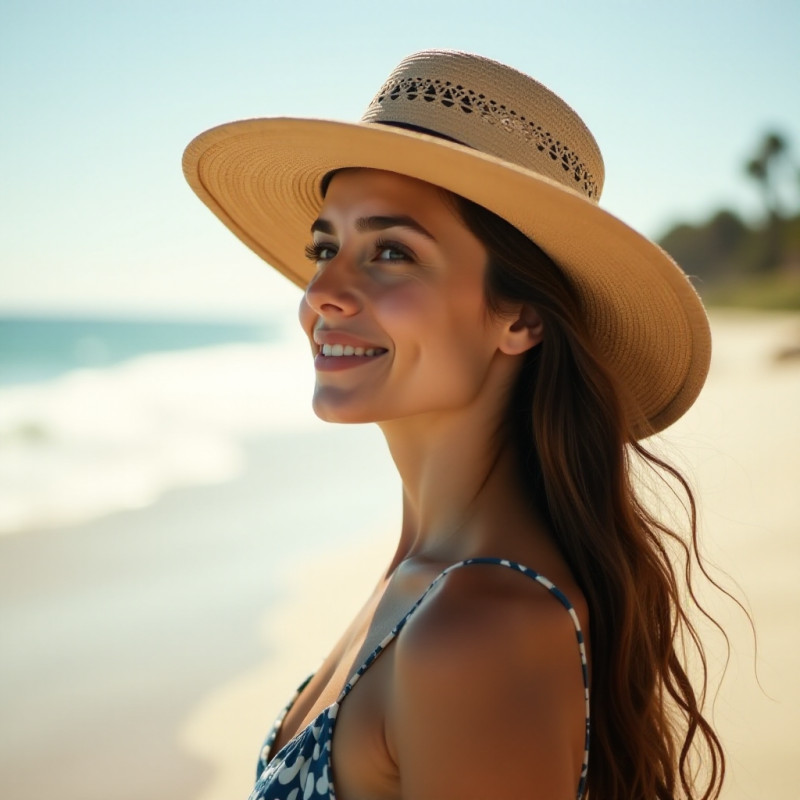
x: 348, y: 350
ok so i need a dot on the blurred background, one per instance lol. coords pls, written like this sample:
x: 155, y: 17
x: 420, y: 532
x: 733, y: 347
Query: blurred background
x: 174, y: 522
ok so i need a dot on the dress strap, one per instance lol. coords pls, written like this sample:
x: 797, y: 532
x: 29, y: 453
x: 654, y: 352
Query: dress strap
x: 549, y: 585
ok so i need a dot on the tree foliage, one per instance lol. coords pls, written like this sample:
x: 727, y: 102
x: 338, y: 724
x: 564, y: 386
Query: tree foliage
x: 726, y: 248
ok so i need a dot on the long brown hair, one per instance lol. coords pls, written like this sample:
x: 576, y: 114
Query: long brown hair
x: 577, y: 449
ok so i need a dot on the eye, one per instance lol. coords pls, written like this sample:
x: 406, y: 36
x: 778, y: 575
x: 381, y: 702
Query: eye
x: 320, y: 251
x: 392, y: 251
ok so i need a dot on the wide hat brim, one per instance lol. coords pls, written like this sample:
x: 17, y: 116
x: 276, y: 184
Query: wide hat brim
x: 262, y: 178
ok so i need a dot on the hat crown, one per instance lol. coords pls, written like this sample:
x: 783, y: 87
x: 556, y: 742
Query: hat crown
x: 492, y: 108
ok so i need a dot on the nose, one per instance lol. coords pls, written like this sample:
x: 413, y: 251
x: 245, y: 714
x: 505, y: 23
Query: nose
x: 332, y: 291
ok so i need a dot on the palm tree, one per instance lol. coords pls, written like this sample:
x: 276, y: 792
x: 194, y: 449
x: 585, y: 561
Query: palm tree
x: 765, y: 167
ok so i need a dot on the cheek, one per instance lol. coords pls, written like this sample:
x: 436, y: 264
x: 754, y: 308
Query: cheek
x: 404, y: 305
x: 405, y: 312
x: 444, y: 334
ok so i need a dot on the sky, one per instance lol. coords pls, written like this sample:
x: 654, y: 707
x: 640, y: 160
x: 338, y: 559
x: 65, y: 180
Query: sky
x: 99, y: 99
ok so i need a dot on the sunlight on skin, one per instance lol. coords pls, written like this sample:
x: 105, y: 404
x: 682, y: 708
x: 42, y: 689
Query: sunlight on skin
x: 414, y: 291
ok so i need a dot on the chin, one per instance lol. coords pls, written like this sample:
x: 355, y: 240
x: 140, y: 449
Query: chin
x: 343, y: 414
x: 333, y: 404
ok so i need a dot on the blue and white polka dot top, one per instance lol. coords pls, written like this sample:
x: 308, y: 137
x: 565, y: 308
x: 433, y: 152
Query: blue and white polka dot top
x: 301, y: 770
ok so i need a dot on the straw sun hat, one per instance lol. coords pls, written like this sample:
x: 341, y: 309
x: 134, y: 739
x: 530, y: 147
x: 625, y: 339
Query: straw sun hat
x: 497, y: 137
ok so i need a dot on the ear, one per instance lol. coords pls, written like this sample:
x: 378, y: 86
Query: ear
x: 522, y: 331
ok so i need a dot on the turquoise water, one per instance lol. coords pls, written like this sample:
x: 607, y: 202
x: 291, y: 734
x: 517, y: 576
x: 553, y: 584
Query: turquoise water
x: 39, y: 348
x: 100, y: 415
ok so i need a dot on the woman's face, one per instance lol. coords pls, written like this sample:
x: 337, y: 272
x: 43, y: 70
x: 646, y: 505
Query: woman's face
x: 395, y: 313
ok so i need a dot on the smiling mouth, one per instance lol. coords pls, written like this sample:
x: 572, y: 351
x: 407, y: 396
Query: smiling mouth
x: 339, y: 350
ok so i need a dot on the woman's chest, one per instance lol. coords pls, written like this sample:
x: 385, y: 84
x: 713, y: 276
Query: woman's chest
x: 352, y: 657
x: 348, y: 696
x: 346, y: 739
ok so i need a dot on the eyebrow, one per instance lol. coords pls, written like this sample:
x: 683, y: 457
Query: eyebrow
x: 364, y: 224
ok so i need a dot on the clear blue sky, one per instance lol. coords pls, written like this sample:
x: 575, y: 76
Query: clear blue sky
x: 98, y: 100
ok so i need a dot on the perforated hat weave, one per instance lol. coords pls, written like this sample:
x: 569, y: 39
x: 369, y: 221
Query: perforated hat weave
x: 499, y: 138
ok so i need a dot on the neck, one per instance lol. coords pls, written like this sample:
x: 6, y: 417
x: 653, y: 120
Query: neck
x: 461, y: 491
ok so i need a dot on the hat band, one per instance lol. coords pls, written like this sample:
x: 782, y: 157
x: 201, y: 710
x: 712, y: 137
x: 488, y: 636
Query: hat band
x: 436, y: 94
x: 408, y: 126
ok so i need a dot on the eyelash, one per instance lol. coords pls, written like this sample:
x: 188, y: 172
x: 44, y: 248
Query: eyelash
x: 314, y: 250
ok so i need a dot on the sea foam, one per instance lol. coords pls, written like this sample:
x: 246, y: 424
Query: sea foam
x: 94, y: 441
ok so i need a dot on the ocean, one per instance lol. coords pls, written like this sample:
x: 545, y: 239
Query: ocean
x: 39, y: 348
x: 103, y: 415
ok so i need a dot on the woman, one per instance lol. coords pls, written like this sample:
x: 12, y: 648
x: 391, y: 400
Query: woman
x: 463, y: 290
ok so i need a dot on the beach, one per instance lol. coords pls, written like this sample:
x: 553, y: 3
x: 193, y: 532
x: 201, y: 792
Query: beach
x: 115, y: 630
x: 146, y: 651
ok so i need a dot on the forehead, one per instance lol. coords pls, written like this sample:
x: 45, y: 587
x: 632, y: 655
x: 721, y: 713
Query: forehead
x: 358, y: 185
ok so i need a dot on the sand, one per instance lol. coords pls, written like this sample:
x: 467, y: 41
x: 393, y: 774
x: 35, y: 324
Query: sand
x: 114, y: 630
x: 227, y: 729
x: 740, y: 445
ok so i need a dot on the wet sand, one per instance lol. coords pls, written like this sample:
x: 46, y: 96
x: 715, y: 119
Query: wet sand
x: 145, y: 655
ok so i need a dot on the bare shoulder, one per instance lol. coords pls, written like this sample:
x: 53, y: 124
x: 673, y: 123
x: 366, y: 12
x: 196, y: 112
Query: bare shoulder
x: 488, y: 693
x: 489, y: 617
